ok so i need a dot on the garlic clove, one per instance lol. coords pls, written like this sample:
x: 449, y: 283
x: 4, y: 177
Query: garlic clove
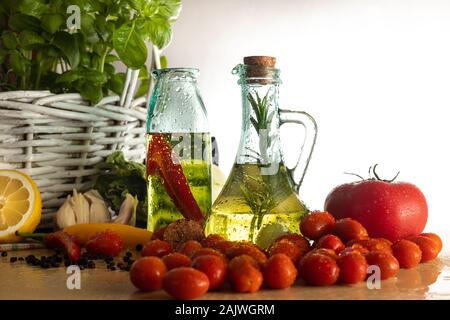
x: 127, y: 212
x: 65, y: 216
x: 80, y: 206
x: 93, y: 194
x: 98, y: 211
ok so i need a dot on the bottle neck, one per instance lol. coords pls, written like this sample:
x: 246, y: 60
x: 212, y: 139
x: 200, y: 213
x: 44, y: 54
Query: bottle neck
x: 176, y: 104
x: 260, y: 122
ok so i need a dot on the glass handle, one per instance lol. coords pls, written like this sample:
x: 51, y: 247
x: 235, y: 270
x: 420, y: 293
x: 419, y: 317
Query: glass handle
x: 304, y: 119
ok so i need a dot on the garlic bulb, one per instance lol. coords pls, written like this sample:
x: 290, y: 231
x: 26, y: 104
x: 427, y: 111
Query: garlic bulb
x: 65, y: 215
x: 127, y: 213
x: 98, y: 212
x: 82, y: 208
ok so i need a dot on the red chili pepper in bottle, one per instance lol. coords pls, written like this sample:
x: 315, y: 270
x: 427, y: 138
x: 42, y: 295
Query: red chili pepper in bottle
x: 65, y: 241
x: 162, y: 160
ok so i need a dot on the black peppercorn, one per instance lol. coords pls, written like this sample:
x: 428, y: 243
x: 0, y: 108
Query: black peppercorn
x: 138, y: 247
x: 13, y: 259
x: 4, y: 254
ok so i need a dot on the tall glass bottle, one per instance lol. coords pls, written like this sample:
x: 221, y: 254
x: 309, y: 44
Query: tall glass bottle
x: 259, y: 201
x: 179, y: 150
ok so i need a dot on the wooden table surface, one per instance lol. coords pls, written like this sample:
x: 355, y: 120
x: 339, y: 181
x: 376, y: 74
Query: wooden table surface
x: 21, y: 281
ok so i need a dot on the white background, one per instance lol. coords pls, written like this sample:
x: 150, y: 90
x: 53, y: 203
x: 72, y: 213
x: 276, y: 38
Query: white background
x: 374, y: 73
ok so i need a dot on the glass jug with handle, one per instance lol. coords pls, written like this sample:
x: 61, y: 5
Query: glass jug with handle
x: 259, y: 202
x: 179, y: 150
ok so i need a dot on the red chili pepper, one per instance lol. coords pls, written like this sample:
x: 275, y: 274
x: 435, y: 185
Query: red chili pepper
x: 63, y: 240
x: 161, y: 160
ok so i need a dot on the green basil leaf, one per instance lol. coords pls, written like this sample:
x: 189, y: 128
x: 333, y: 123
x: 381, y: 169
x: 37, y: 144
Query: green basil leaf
x: 130, y: 46
x: 166, y: 9
x: 137, y: 4
x: 143, y: 73
x: 33, y: 8
x: 9, y: 40
x: 88, y: 28
x: 143, y: 88
x: 93, y: 76
x: 104, y: 28
x: 88, y: 5
x: 91, y: 91
x: 52, y: 22
x: 68, y: 44
x: 109, y: 69
x: 116, y: 82
x: 110, y: 58
x: 20, y: 22
x: 159, y: 31
x: 30, y: 38
x: 68, y: 76
x: 169, y: 9
x: 163, y: 62
x: 18, y: 63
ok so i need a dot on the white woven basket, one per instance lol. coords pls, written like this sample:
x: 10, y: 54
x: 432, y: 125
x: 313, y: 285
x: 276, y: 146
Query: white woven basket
x: 58, y: 139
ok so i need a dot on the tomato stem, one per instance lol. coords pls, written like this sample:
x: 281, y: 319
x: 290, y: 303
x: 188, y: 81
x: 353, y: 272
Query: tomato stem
x: 378, y: 178
x: 373, y: 175
x: 354, y: 174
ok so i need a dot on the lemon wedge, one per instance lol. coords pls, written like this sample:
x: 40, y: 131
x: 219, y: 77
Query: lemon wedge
x: 20, y: 205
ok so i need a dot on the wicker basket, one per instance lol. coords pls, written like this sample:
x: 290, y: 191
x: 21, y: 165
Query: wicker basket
x: 58, y: 139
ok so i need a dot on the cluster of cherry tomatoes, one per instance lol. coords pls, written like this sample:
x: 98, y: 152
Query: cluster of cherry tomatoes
x: 329, y: 252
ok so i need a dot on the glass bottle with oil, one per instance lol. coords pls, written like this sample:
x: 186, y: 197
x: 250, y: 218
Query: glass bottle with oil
x: 260, y: 201
x: 179, y: 150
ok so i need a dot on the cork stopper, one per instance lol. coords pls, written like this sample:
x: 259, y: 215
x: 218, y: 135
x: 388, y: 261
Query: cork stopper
x: 261, y: 61
x: 259, y: 67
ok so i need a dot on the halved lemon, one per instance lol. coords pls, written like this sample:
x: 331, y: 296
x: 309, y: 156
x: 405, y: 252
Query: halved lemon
x: 20, y: 205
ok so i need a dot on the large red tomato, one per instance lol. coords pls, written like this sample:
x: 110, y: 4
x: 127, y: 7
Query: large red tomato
x: 391, y: 210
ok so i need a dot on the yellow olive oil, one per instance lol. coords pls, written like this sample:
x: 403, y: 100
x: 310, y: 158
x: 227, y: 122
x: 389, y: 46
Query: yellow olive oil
x: 193, y: 151
x: 255, y: 207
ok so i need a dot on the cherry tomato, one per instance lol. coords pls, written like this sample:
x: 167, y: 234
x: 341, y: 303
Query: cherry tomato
x: 147, y: 273
x: 176, y: 260
x: 211, y: 240
x: 108, y: 243
x: 159, y: 234
x: 189, y: 247
x: 244, y: 275
x: 214, y: 267
x: 429, y: 247
x: 279, y: 272
x: 434, y: 237
x: 288, y: 248
x: 223, y: 245
x: 317, y: 224
x: 332, y: 242
x: 298, y: 240
x: 318, y: 269
x: 208, y: 251
x: 185, y: 283
x: 348, y: 229
x: 327, y: 252
x: 355, y: 248
x: 157, y: 248
x: 407, y: 253
x: 387, y: 263
x: 373, y: 244
x: 353, y: 267
x: 244, y: 248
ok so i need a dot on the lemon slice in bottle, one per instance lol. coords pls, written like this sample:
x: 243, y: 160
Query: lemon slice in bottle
x: 20, y: 205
